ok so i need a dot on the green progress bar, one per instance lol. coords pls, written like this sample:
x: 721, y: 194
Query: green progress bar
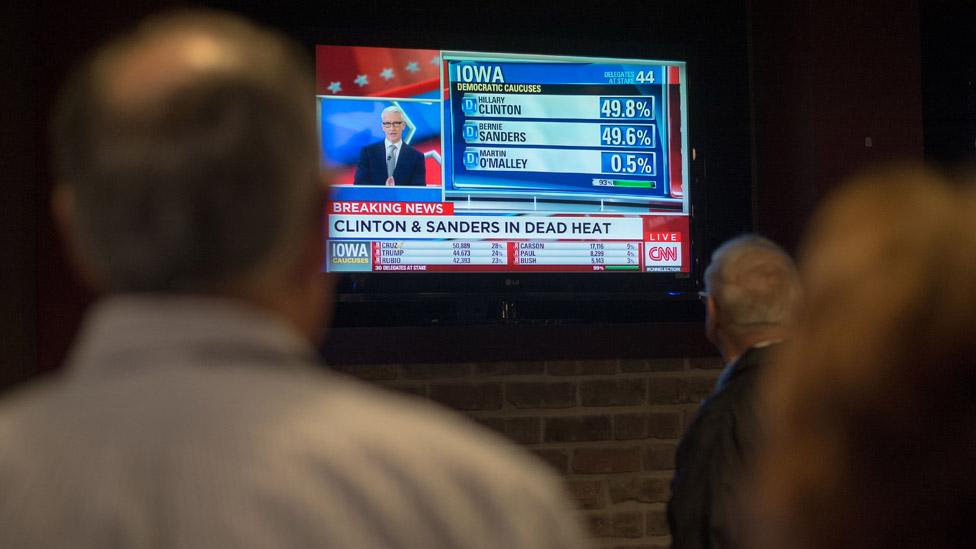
x: 634, y: 184
x: 623, y: 267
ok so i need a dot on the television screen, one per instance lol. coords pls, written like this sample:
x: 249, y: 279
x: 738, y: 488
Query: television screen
x: 451, y: 161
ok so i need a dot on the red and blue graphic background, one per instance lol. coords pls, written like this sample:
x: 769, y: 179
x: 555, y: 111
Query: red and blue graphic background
x: 370, y: 79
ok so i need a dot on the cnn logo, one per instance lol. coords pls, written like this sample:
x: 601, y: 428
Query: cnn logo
x: 664, y: 254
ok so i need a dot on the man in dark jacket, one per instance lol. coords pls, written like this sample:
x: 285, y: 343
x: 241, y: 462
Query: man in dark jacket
x: 752, y: 290
x: 391, y: 161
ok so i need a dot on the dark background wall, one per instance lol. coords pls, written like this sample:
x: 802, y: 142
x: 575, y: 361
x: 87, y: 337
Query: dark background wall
x: 789, y: 94
x: 949, y: 82
x: 18, y: 188
x: 837, y: 87
x: 43, y: 300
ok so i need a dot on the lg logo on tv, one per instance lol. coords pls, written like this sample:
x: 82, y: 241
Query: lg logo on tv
x: 663, y: 254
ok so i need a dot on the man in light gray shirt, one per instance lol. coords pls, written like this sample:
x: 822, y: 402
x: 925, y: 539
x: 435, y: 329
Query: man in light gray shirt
x: 192, y: 411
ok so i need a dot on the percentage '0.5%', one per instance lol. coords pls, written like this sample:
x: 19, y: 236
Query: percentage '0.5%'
x: 638, y: 163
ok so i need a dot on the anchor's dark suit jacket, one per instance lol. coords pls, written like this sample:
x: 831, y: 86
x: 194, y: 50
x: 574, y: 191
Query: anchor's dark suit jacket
x: 410, y: 167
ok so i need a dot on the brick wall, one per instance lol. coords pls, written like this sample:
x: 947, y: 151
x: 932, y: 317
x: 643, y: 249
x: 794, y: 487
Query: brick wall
x: 609, y: 427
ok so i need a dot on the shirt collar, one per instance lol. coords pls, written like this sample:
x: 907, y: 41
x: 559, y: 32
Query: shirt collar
x: 141, y: 329
x: 387, y: 142
x: 740, y: 363
x: 766, y: 343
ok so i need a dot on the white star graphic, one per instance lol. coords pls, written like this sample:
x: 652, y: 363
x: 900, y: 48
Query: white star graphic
x: 412, y: 66
x: 334, y: 87
x: 387, y: 73
x: 436, y: 60
x: 361, y: 80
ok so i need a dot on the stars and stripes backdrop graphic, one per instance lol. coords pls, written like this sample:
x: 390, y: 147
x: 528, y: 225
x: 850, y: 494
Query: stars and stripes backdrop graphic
x: 386, y: 74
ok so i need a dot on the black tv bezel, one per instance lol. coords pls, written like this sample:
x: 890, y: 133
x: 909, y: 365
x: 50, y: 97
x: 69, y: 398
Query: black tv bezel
x: 550, y: 297
x: 464, y: 315
x: 713, y: 42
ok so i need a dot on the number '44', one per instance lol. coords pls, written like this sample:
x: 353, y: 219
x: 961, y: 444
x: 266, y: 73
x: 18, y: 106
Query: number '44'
x: 645, y: 77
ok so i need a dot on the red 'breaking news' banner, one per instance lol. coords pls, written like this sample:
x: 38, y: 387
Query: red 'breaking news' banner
x: 392, y: 208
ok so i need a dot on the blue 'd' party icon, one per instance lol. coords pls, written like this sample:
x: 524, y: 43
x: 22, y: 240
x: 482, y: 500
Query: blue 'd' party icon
x: 470, y: 131
x: 469, y: 105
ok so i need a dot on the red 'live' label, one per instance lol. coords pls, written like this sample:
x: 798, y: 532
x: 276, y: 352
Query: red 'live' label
x: 663, y: 237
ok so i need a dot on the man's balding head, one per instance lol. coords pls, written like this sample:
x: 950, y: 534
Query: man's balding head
x: 190, y: 152
x: 754, y: 291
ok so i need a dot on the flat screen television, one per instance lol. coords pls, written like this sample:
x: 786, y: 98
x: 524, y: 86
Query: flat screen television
x: 450, y: 161
x: 518, y: 185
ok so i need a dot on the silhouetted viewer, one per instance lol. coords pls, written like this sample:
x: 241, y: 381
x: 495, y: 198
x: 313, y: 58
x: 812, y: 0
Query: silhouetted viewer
x: 193, y: 411
x: 752, y: 290
x: 871, y: 417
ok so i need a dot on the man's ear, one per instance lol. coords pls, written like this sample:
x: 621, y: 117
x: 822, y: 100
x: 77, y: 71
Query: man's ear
x: 65, y: 218
x: 313, y: 251
x: 315, y: 288
x: 711, y: 306
x: 313, y: 256
x: 62, y: 208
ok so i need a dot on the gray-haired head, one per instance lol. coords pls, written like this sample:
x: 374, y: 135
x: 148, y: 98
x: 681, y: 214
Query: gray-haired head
x: 754, y: 283
x: 190, y: 151
x: 392, y: 108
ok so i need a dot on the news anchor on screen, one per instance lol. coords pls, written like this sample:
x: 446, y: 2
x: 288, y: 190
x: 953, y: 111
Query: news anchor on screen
x: 391, y: 161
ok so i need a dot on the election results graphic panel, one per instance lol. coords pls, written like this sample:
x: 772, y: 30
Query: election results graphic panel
x: 534, y: 163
